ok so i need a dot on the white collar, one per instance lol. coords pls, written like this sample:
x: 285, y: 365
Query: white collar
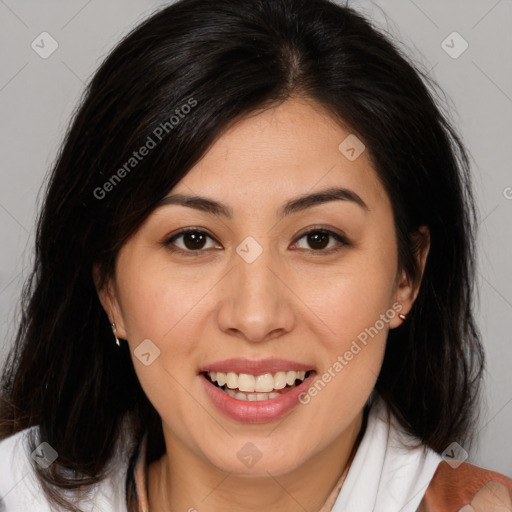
x: 388, y: 473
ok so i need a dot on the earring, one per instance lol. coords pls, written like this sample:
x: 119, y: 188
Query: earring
x: 115, y: 335
x: 401, y: 316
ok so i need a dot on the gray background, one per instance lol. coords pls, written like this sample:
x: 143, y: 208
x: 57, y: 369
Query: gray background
x: 37, y: 97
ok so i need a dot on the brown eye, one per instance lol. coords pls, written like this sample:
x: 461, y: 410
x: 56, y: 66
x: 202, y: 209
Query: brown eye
x: 192, y: 240
x: 319, y: 240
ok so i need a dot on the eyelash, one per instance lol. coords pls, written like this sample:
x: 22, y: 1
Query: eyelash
x: 339, y: 238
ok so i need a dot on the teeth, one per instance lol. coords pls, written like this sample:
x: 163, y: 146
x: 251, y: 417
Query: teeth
x: 280, y: 380
x: 232, y: 380
x: 219, y: 377
x: 260, y: 384
x: 290, y: 378
x: 251, y: 397
x: 246, y: 382
x: 264, y: 383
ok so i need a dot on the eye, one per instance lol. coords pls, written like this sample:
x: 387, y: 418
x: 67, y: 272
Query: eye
x: 193, y: 240
x: 319, y: 240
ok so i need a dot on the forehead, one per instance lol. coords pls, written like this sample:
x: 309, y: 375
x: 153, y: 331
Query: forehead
x: 284, y: 151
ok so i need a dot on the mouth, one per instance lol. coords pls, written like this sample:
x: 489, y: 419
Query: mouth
x: 256, y: 391
x: 257, y: 388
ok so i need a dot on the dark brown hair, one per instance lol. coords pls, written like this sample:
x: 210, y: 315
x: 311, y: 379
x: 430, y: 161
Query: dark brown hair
x: 231, y: 57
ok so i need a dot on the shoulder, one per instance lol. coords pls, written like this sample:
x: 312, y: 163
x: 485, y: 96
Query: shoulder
x: 467, y: 488
x: 20, y: 489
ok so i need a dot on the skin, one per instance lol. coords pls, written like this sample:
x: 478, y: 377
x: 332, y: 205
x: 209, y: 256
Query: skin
x: 212, y: 305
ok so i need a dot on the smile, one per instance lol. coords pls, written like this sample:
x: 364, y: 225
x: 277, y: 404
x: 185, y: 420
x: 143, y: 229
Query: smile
x: 256, y: 388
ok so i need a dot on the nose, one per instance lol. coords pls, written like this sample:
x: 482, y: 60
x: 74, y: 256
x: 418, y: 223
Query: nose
x: 256, y: 304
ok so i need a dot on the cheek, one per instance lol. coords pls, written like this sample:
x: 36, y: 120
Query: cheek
x: 355, y: 311
x: 158, y: 301
x: 352, y: 298
x: 162, y: 306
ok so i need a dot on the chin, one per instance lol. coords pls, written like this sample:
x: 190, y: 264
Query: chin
x: 248, y: 460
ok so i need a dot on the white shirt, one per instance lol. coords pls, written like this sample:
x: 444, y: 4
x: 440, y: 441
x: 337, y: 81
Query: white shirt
x: 385, y: 475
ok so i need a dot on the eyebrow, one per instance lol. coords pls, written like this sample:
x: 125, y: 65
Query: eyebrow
x: 292, y: 206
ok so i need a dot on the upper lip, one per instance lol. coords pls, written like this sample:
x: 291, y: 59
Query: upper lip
x: 252, y: 367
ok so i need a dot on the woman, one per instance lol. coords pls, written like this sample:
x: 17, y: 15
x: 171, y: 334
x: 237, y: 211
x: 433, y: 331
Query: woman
x: 253, y: 280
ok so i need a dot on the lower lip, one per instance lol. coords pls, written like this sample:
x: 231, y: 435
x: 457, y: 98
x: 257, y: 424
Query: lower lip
x: 256, y: 412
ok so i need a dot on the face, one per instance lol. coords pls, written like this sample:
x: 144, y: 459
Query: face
x: 280, y: 289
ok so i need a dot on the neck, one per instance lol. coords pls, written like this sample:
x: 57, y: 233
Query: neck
x: 203, y: 487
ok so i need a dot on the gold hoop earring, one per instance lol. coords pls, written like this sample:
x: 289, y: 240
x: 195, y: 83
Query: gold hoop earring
x: 115, y: 335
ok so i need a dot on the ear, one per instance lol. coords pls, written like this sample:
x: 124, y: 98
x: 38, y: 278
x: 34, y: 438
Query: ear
x: 406, y: 289
x: 107, y: 293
